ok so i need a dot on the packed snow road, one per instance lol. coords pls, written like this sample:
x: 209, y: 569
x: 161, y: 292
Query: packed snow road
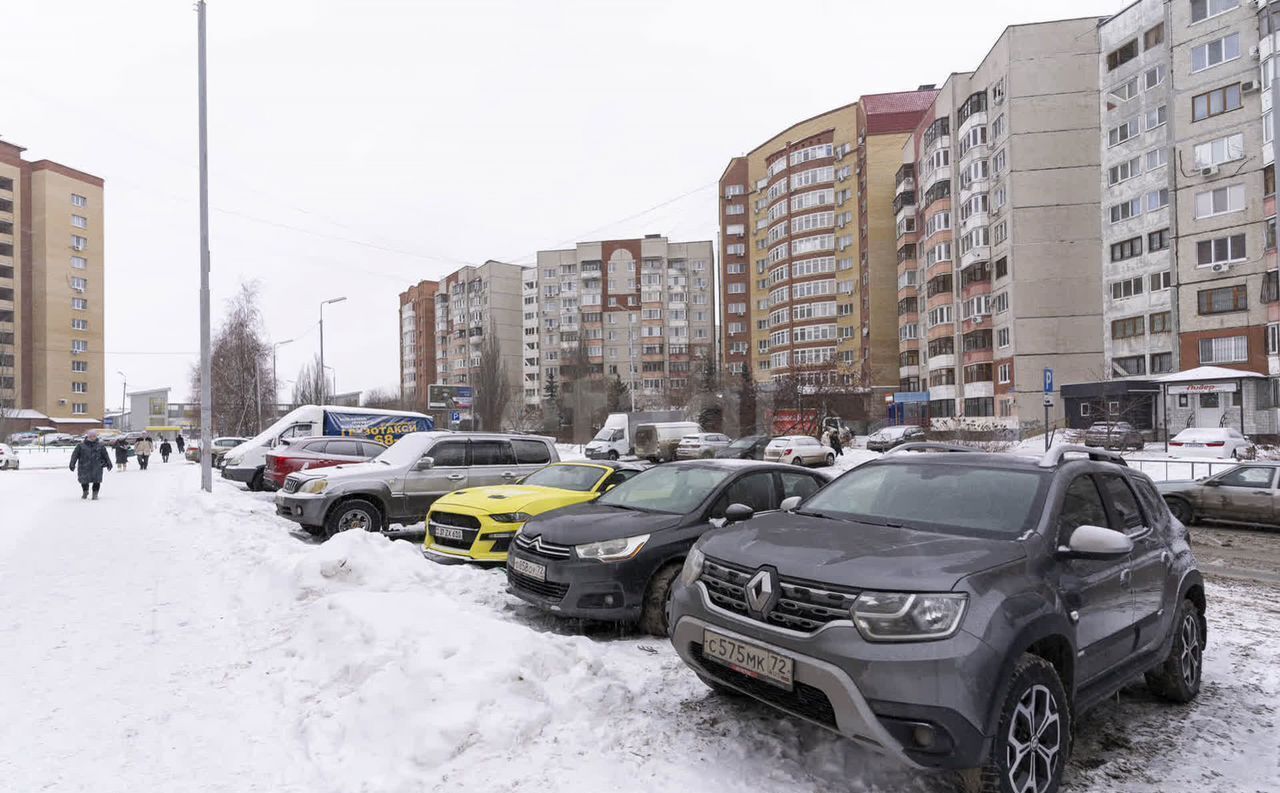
x: 162, y: 639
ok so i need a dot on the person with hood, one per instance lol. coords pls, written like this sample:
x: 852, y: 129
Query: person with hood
x: 143, y: 450
x: 182, y: 445
x: 836, y: 446
x: 122, y: 454
x: 88, y: 460
x: 166, y: 449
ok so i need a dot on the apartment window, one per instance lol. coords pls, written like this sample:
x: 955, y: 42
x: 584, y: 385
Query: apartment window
x: 1126, y: 328
x: 1129, y: 365
x: 1152, y: 77
x: 79, y: 324
x: 6, y: 205
x: 1002, y: 337
x: 1129, y: 287
x: 1153, y: 37
x: 1203, y: 9
x: 735, y: 209
x: 1216, y: 102
x: 1122, y: 55
x: 79, y: 345
x: 78, y: 387
x: 80, y: 221
x: 79, y: 408
x: 1000, y: 303
x: 1125, y: 170
x: 1126, y: 249
x: 1215, y: 52
x: 1161, y: 281
x: 737, y: 249
x: 79, y: 284
x: 79, y: 262
x: 1004, y: 373
x: 1219, y: 201
x: 1002, y: 267
x: 1126, y: 210
x: 1223, y: 300
x: 1157, y: 199
x: 1000, y: 232
x: 737, y: 289
x: 6, y: 293
x: 1160, y: 322
x: 78, y: 200
x: 1122, y: 132
x: 1161, y: 362
x: 1158, y: 240
x: 999, y: 197
x: 997, y: 127
x: 1273, y: 338
x: 942, y: 377
x: 1154, y: 118
x: 980, y: 406
x: 1225, y: 349
x: 6, y: 183
x: 940, y: 316
x: 1221, y: 250
x: 79, y: 243
x: 1157, y: 158
x: 79, y: 304
x: 1124, y: 92
x: 998, y: 162
x: 79, y: 366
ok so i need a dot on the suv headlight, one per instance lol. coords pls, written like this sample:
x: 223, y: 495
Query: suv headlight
x: 612, y: 550
x: 314, y: 486
x: 907, y: 617
x: 692, y: 569
x: 510, y: 517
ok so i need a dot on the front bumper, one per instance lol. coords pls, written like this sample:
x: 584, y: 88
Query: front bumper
x: 307, y: 509
x: 242, y: 475
x: 583, y: 588
x: 877, y: 694
x: 478, y: 544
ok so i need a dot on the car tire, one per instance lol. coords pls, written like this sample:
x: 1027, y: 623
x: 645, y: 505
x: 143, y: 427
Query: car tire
x: 613, y: 455
x: 1035, y: 713
x: 831, y: 459
x: 798, y: 461
x: 255, y: 484
x: 1177, y: 679
x: 1181, y: 510
x: 356, y: 513
x: 657, y: 597
x: 708, y: 455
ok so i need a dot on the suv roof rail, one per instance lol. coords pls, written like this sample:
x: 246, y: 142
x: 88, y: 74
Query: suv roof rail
x: 930, y: 446
x: 1054, y: 456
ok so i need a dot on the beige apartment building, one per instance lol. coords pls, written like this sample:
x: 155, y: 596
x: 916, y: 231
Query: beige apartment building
x: 471, y: 304
x: 638, y: 309
x: 418, y: 343
x: 51, y: 288
x: 998, y: 224
x: 808, y: 258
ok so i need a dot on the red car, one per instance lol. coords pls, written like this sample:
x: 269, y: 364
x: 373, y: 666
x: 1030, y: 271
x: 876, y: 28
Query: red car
x: 298, y: 454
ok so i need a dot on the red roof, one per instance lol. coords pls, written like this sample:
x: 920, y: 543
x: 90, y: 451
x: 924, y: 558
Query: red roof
x: 897, y: 112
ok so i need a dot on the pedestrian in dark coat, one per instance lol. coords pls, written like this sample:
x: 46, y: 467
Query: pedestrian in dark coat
x: 182, y: 445
x: 835, y: 443
x: 165, y: 450
x: 88, y: 460
x: 122, y: 454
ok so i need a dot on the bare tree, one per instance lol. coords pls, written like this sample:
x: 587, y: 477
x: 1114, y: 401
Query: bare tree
x: 582, y: 390
x: 243, y: 388
x: 551, y: 408
x: 383, y: 398
x: 308, y: 387
x: 490, y: 386
x: 6, y: 414
x: 748, y: 398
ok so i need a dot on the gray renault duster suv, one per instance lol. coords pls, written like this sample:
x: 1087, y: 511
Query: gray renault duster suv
x: 953, y: 611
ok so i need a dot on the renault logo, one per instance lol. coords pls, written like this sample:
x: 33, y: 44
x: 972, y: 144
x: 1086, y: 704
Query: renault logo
x: 761, y: 591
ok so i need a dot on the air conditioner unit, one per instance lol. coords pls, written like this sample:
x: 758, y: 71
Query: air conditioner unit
x: 1211, y: 170
x: 1254, y: 53
x: 1249, y: 86
x: 1221, y: 267
x: 1260, y: 3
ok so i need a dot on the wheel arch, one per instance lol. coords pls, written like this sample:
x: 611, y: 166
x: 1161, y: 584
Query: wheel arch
x: 374, y: 498
x: 1050, y: 637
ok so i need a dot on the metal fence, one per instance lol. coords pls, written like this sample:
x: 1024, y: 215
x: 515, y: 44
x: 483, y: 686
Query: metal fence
x: 1163, y: 468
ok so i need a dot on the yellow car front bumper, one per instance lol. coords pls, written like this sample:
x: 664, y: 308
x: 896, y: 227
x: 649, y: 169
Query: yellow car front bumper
x: 489, y: 541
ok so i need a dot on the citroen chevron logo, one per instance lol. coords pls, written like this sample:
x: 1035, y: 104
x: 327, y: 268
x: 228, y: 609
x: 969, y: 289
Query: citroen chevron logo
x: 760, y: 591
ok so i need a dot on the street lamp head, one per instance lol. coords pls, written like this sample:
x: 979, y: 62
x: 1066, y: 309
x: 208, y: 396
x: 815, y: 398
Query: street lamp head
x: 334, y: 300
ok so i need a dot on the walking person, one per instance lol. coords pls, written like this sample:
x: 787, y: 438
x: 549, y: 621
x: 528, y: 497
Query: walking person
x: 88, y: 460
x: 122, y: 454
x: 143, y: 449
x: 182, y: 445
x: 165, y: 450
x: 836, y: 445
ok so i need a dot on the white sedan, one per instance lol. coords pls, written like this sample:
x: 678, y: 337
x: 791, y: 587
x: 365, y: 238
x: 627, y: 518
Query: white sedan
x: 7, y: 457
x: 799, y: 450
x: 1211, y: 442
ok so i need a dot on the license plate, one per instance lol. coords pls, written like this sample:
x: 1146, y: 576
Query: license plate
x: 446, y: 532
x: 749, y: 659
x: 1196, y: 444
x: 531, y: 569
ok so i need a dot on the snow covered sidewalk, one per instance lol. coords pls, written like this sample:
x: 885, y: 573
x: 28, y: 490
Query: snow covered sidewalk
x: 166, y: 640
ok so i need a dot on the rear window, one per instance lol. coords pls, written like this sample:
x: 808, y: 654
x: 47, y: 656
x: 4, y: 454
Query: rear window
x: 946, y: 498
x: 531, y: 452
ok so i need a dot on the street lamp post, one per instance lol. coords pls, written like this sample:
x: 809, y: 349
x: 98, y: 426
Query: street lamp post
x: 124, y: 389
x: 275, y: 389
x: 335, y: 378
x: 323, y: 388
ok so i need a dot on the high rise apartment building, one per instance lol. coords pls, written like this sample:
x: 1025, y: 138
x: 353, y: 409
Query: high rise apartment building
x: 418, y: 343
x: 639, y: 309
x: 998, y: 224
x: 51, y: 288
x: 807, y: 247
x: 472, y: 304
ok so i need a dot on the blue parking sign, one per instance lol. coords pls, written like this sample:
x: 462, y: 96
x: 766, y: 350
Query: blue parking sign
x: 1048, y: 380
x: 456, y: 416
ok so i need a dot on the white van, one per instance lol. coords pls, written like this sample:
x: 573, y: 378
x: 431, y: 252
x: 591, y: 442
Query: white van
x: 657, y: 441
x: 245, y: 463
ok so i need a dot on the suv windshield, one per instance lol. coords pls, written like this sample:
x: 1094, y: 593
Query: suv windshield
x: 941, y: 497
x: 566, y: 477
x: 668, y: 488
x: 405, y: 451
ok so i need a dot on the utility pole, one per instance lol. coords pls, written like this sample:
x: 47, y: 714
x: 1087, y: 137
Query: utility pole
x: 275, y: 388
x: 323, y: 382
x: 206, y: 364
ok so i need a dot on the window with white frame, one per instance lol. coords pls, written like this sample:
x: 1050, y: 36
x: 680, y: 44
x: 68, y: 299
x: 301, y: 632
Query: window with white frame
x: 78, y: 200
x: 940, y: 316
x: 80, y: 221
x: 1212, y: 53
x: 1155, y: 117
x: 1122, y: 132
x: 79, y: 387
x: 79, y: 366
x: 1220, y: 150
x: 1225, y: 349
x: 735, y: 229
x: 1156, y: 158
x: 999, y: 197
x: 998, y: 127
x: 737, y: 249
x: 811, y: 199
x: 908, y: 332
x: 1273, y: 338
x: 807, y: 244
x: 1204, y: 9
x: 1219, y: 201
x: 79, y: 243
x: 1129, y: 287
x: 1124, y: 91
x: 79, y: 324
x: 938, y: 253
x: 1153, y: 77
x: 935, y: 223
x: 824, y: 264
x: 79, y: 284
x: 79, y: 408
x: 79, y: 346
x: 1000, y: 232
x: 818, y: 152
x: 1002, y: 337
x: 1157, y: 199
x: 1124, y: 171
x: 1004, y: 373
x: 815, y: 220
x: 1000, y: 303
x: 812, y: 176
x: 1125, y: 210
x: 1161, y: 280
x: 1223, y: 250
x: 79, y: 304
x: 79, y: 263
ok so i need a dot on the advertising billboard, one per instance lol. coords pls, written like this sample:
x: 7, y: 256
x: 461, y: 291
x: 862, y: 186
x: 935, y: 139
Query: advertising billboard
x: 449, y: 397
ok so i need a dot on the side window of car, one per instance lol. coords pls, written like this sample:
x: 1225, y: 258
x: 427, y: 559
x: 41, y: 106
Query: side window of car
x: 344, y: 448
x: 1081, y: 506
x: 529, y: 452
x: 297, y: 431
x: 492, y: 453
x: 799, y: 484
x: 1248, y: 476
x: 316, y: 447
x: 754, y: 490
x: 618, y: 477
x: 1125, y: 503
x: 449, y: 454
x: 372, y: 449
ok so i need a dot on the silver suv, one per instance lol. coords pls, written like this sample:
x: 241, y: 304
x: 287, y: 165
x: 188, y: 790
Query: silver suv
x: 952, y: 611
x: 398, y: 486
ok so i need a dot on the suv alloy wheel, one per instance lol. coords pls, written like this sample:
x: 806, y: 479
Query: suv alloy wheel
x: 356, y: 514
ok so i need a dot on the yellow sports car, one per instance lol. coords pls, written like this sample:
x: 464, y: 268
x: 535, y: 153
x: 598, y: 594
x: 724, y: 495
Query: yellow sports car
x: 479, y: 523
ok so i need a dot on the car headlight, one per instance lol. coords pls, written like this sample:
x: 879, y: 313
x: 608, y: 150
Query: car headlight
x: 314, y: 486
x: 612, y: 550
x: 692, y: 569
x: 907, y: 617
x: 510, y: 517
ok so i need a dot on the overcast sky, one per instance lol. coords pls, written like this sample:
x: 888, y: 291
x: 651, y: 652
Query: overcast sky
x: 357, y: 147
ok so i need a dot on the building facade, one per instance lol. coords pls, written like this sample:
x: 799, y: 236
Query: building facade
x: 997, y: 221
x: 641, y: 310
x: 807, y: 247
x: 51, y: 288
x: 471, y: 304
x: 417, y: 343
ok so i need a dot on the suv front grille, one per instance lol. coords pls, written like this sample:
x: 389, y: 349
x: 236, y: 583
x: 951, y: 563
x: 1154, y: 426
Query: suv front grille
x: 291, y: 484
x: 538, y: 547
x: 803, y: 699
x: 801, y: 606
x: 551, y: 590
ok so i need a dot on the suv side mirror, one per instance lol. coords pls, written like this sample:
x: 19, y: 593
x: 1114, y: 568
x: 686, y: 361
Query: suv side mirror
x: 1096, y: 542
x: 1213, y: 483
x: 737, y: 513
x: 790, y: 503
x: 424, y: 464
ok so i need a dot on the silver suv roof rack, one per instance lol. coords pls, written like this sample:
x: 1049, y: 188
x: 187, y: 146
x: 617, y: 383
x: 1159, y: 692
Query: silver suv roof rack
x: 930, y: 446
x: 1053, y: 457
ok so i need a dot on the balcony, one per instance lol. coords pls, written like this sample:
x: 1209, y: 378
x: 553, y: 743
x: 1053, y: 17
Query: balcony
x: 903, y: 200
x: 939, y: 190
x: 978, y: 253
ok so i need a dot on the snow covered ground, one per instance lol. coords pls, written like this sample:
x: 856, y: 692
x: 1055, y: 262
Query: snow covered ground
x: 163, y: 639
